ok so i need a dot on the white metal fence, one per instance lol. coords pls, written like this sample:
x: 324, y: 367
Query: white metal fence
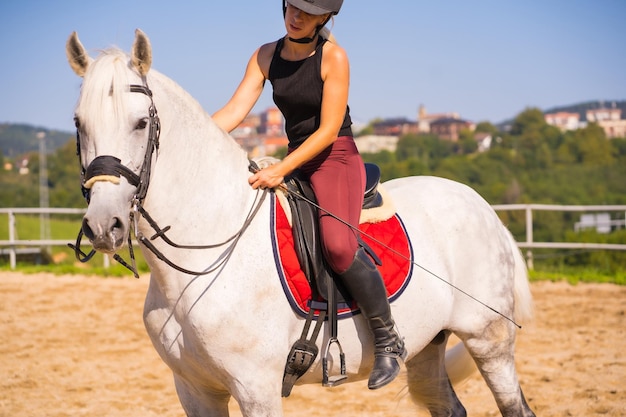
x: 15, y: 246
x: 603, y: 225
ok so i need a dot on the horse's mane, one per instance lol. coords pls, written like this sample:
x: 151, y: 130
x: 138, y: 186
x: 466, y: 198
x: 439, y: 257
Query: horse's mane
x: 105, y: 93
x: 107, y: 77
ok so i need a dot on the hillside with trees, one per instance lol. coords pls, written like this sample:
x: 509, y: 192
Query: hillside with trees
x: 18, y: 139
x: 533, y: 162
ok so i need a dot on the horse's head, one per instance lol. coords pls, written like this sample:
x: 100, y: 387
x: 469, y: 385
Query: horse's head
x: 117, y: 132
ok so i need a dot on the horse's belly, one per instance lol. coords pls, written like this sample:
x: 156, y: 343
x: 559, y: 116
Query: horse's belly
x: 460, y: 246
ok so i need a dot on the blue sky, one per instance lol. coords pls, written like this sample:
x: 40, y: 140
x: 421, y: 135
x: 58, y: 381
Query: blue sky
x: 485, y: 59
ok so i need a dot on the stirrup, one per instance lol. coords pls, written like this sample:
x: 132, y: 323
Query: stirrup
x: 333, y: 381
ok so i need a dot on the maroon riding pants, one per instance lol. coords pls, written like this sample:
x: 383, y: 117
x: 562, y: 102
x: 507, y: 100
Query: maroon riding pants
x: 337, y: 176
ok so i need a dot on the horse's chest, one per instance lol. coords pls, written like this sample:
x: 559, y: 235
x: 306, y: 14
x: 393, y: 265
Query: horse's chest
x: 183, y: 332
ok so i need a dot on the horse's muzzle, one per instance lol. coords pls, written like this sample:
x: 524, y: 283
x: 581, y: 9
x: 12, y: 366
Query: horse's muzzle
x: 107, y: 237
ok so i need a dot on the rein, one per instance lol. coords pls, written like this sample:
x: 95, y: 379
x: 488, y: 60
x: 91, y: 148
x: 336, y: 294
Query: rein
x: 109, y: 168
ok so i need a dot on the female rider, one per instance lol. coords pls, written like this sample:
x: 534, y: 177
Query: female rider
x: 310, y: 79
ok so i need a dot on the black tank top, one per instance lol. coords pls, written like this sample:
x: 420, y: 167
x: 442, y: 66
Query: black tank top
x: 298, y: 88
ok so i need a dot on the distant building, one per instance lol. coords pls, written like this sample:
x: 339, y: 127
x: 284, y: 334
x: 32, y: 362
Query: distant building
x: 563, y: 120
x: 248, y: 128
x: 262, y: 134
x: 483, y: 140
x: 394, y: 127
x: 600, y: 221
x: 376, y: 143
x: 450, y: 128
x: 424, y: 119
x: 609, y: 119
x: 23, y: 167
x: 272, y: 144
x: 603, y: 114
x: 272, y: 123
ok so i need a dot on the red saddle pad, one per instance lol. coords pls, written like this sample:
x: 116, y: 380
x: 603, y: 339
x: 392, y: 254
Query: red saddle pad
x: 387, y: 238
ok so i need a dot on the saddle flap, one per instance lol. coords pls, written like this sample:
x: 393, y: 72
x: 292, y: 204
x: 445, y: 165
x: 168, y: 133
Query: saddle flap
x: 305, y: 228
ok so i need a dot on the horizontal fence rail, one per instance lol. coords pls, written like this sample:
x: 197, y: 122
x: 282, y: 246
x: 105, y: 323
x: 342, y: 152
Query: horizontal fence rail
x: 15, y: 246
x: 531, y: 244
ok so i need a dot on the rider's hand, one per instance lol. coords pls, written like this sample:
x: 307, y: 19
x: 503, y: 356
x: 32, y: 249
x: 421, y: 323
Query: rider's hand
x: 269, y: 177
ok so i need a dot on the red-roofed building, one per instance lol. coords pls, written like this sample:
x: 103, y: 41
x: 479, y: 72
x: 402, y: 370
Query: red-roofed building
x: 450, y: 128
x: 563, y: 120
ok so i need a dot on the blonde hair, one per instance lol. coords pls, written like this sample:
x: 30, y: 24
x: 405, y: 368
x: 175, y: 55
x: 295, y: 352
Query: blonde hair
x: 326, y: 34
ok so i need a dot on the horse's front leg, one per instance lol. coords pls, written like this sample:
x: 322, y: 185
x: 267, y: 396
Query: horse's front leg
x: 255, y: 398
x: 204, y: 405
x: 259, y: 393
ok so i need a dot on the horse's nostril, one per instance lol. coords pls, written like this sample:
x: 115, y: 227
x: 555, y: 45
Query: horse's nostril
x: 117, y: 224
x: 87, y: 230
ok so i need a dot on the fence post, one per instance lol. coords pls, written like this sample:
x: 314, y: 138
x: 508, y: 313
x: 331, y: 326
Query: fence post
x: 12, y: 251
x: 529, y: 237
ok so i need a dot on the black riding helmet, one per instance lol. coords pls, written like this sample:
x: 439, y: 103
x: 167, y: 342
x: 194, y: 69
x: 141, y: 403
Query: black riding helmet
x: 314, y: 7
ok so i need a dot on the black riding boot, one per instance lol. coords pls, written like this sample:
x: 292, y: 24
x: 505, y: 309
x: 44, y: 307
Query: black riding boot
x: 366, y: 286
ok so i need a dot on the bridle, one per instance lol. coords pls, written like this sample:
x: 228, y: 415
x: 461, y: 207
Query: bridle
x: 109, y: 168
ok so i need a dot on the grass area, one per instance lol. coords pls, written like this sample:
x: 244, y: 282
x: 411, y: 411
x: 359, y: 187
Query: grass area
x: 28, y: 226
x: 60, y: 259
x: 579, y: 275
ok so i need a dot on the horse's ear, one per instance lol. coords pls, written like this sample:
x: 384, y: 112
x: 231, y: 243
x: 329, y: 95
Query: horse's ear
x: 142, y: 53
x: 77, y: 55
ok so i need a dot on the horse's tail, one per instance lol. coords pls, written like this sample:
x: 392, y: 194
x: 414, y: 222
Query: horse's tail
x: 459, y: 364
x: 523, y: 297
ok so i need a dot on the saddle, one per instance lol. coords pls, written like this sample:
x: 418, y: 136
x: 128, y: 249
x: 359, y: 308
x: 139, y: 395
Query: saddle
x: 329, y: 295
x: 306, y: 236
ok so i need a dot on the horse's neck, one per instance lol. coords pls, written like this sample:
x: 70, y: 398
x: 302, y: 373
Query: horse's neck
x: 201, y: 172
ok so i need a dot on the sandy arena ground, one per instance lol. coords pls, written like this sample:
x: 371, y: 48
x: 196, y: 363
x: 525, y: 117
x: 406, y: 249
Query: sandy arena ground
x: 76, y: 346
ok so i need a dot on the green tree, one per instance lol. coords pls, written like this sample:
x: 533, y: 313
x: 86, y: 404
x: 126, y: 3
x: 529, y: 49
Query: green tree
x: 467, y: 143
x: 531, y: 119
x: 594, y: 147
x: 534, y: 139
x: 64, y: 177
x: 486, y: 127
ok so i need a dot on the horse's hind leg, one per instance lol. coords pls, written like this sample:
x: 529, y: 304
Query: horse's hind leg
x: 493, y: 352
x: 428, y: 381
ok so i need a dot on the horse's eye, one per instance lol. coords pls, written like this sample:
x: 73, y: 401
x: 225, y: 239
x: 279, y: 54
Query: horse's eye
x: 141, y: 124
x: 76, y: 123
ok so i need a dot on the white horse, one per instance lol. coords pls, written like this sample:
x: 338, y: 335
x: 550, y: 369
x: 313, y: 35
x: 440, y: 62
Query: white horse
x: 227, y: 332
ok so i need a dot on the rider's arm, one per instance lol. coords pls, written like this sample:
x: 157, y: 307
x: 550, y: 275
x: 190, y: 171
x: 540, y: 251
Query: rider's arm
x: 247, y: 93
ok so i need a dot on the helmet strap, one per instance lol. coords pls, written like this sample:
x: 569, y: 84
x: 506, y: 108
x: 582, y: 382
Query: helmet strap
x: 311, y: 39
x: 303, y: 40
